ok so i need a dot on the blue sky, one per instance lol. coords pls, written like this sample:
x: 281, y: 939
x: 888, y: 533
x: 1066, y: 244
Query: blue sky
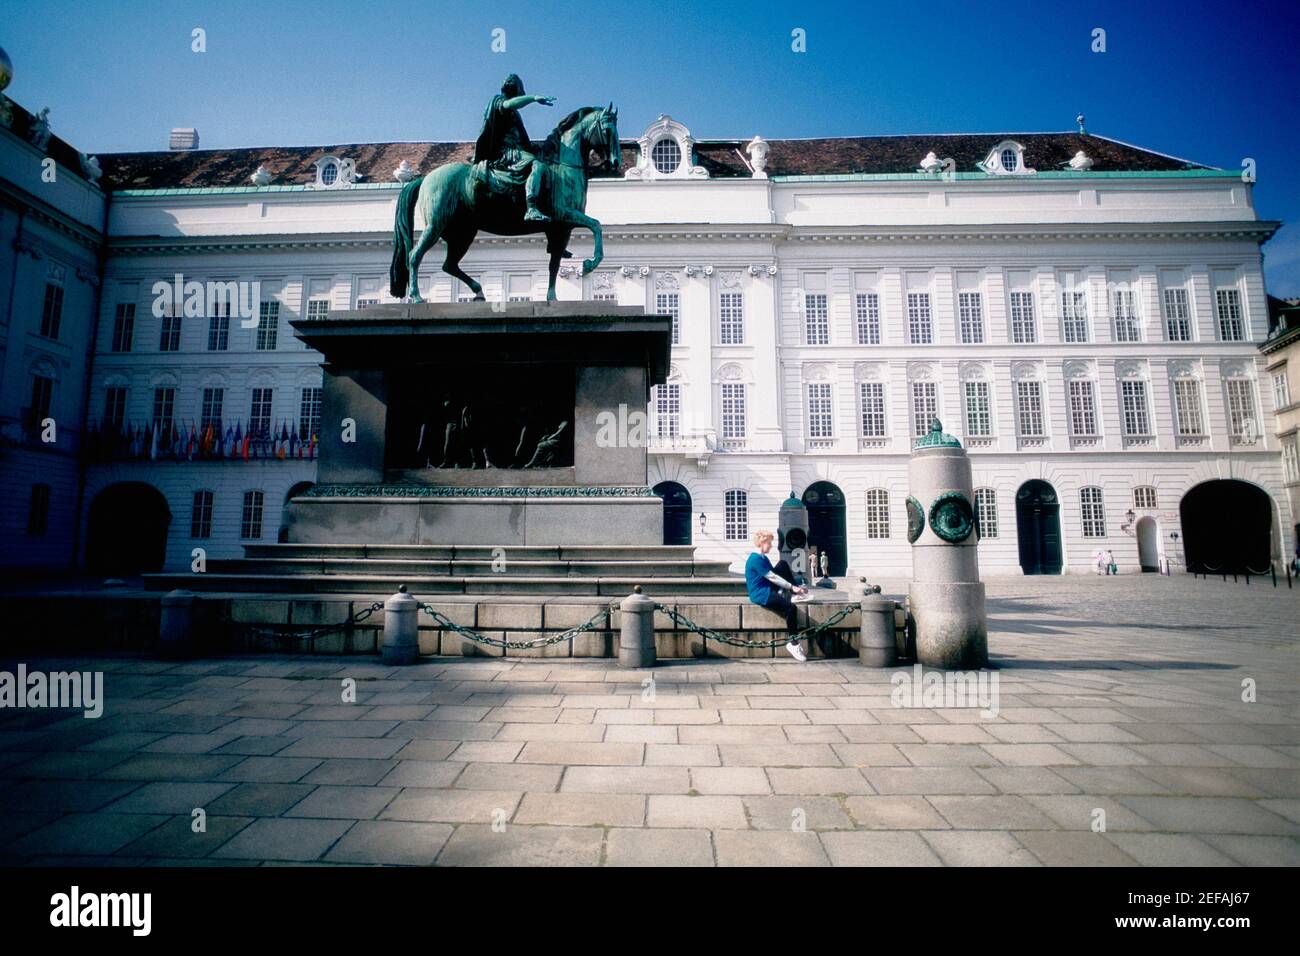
x: 1210, y: 82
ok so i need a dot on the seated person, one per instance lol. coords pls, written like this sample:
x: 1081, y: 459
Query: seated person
x: 766, y: 585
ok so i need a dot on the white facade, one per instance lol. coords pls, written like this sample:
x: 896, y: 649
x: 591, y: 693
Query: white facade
x: 799, y: 298
x: 51, y: 233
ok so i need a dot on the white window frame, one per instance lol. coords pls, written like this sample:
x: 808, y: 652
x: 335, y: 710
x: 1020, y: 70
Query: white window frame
x: 1092, y: 511
x: 820, y: 405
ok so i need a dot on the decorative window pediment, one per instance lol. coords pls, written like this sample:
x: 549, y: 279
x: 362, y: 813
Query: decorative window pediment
x: 1007, y: 158
x: 666, y: 150
x: 334, y: 172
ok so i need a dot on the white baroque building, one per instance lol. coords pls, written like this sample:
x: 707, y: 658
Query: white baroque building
x: 1083, y: 314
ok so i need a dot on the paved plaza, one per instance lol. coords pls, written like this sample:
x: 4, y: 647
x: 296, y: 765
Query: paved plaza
x: 1121, y: 738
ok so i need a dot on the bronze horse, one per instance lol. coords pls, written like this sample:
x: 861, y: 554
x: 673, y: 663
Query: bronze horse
x: 456, y: 200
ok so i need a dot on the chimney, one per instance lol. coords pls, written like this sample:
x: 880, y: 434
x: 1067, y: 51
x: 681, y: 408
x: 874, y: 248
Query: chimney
x: 184, y: 137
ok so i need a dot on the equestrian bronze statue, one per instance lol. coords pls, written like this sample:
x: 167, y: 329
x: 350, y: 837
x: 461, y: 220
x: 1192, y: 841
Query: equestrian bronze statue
x: 507, y: 190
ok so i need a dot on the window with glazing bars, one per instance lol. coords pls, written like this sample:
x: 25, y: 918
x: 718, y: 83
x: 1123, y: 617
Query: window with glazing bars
x: 920, y: 327
x: 1074, y: 316
x: 970, y: 317
x: 735, y: 524
x: 816, y: 319
x: 731, y: 318
x: 1083, y: 408
x: 1024, y: 325
x: 733, y: 410
x: 1092, y: 512
x: 979, y: 420
x: 1133, y: 399
x: 1178, y: 316
x: 872, y: 395
x: 868, y: 316
x: 821, y: 422
x: 1187, y: 407
x: 1124, y: 314
x: 925, y: 407
x: 1029, y: 409
x: 1227, y: 303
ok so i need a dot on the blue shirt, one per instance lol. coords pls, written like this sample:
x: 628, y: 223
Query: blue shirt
x: 757, y: 568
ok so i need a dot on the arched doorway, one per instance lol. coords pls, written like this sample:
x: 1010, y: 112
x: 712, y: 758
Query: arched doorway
x: 827, y: 529
x: 677, y: 512
x: 1038, y: 527
x: 300, y: 488
x: 126, y: 530
x: 1148, y: 544
x: 1226, y: 527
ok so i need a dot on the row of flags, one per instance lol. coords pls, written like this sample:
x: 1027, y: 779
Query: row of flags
x: 190, y: 442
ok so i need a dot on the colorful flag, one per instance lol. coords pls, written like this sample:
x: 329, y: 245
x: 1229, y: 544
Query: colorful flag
x: 284, y: 441
x: 237, y: 442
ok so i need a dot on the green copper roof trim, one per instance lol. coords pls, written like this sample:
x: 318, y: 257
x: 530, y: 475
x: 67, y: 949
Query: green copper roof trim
x: 936, y: 438
x: 1077, y: 175
x: 220, y: 190
x: 936, y: 178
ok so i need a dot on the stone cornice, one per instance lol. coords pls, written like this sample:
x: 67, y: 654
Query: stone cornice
x: 1255, y: 231
x: 50, y: 217
x: 1258, y: 231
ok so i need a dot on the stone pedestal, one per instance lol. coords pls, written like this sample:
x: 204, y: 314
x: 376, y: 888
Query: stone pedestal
x: 486, y: 424
x: 946, y: 597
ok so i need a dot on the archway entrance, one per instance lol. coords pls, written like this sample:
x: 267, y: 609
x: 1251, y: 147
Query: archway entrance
x: 1226, y: 527
x: 677, y: 512
x: 126, y: 530
x: 1038, y: 526
x: 1148, y: 544
x: 827, y: 529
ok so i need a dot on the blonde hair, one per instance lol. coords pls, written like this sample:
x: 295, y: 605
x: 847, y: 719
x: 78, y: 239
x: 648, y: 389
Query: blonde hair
x: 760, y: 535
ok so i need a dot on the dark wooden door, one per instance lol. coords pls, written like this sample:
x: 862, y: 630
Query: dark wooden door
x: 1038, y: 526
x: 827, y: 530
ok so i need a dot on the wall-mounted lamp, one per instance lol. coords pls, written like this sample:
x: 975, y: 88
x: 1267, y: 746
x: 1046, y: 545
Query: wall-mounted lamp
x: 704, y: 519
x: 1129, y: 516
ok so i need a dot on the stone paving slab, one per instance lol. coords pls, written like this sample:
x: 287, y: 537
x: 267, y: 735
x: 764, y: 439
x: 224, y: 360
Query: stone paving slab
x: 538, y: 761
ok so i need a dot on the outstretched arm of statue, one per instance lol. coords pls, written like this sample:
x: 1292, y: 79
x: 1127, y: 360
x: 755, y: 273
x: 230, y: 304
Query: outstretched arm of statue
x: 518, y: 102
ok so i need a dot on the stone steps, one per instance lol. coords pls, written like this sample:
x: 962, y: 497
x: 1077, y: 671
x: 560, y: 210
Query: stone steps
x: 384, y: 584
x: 505, y: 567
x: 438, y: 552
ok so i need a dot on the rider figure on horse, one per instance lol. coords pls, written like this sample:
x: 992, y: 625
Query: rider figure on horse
x: 504, y: 144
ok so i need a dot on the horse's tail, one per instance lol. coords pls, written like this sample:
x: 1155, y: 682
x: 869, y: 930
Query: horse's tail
x: 403, y: 226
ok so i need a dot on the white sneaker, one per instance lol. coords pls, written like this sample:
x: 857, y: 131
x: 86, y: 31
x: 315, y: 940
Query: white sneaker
x: 796, y: 651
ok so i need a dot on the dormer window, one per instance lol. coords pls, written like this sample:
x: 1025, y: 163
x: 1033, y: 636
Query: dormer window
x: 666, y: 151
x: 1006, y: 159
x: 333, y: 172
x: 666, y: 155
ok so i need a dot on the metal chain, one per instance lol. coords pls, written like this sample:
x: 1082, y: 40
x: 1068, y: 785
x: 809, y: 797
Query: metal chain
x: 473, y: 635
x: 285, y: 637
x: 712, y: 635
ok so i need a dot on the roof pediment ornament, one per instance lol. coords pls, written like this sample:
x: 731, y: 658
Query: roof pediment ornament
x: 1081, y: 161
x: 666, y: 150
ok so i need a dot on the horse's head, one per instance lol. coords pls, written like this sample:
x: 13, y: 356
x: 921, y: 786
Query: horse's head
x: 606, y: 122
x: 585, y: 131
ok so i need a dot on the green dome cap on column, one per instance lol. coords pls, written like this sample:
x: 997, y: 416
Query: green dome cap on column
x: 936, y: 438
x: 792, y: 500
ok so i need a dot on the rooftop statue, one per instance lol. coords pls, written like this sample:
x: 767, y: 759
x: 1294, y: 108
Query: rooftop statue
x: 507, y: 190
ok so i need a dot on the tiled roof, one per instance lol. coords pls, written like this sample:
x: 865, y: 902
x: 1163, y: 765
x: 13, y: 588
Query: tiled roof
x: 294, y: 165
